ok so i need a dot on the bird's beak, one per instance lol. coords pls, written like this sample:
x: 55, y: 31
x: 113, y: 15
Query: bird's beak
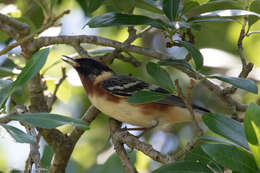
x: 70, y: 61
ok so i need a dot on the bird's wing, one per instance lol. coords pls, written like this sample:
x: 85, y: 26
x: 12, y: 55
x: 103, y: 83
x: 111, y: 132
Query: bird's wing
x: 125, y: 86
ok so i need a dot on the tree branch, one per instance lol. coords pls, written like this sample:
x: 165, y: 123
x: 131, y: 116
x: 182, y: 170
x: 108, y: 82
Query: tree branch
x: 29, y: 37
x: 13, y: 27
x: 64, y: 150
x: 114, y: 126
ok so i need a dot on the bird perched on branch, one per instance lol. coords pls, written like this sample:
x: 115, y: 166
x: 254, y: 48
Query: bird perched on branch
x: 109, y: 91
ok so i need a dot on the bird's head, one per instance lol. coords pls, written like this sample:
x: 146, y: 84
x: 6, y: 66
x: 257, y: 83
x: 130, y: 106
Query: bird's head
x: 87, y: 67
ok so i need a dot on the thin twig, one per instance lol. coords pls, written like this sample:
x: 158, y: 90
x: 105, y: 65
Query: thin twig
x: 199, y: 132
x: 187, y: 101
x: 132, y: 60
x: 58, y: 84
x: 65, y: 146
x: 246, y: 67
x: 240, y: 43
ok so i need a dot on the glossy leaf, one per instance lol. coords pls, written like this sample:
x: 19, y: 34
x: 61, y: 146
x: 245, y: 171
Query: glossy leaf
x: 226, y: 127
x: 231, y: 157
x: 46, y: 120
x: 213, y: 6
x: 141, y: 97
x: 254, y: 7
x: 117, y: 19
x: 225, y: 13
x: 212, y: 20
x: 183, y: 167
x: 177, y: 62
x: 195, y: 53
x: 17, y: 134
x: 147, y: 6
x: 170, y: 8
x: 217, y: 140
x: 33, y: 66
x: 89, y: 6
x: 241, y: 83
x: 252, y: 130
x: 160, y: 75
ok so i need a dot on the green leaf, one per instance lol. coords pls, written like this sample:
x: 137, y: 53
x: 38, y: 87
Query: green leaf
x: 242, y: 83
x: 18, y: 134
x: 183, y: 167
x: 231, y: 157
x: 160, y: 75
x: 47, y: 156
x: 33, y: 66
x: 177, y: 62
x: 252, y: 130
x: 212, y: 20
x: 198, y: 155
x: 225, y: 13
x: 213, y: 6
x: 226, y: 127
x: 89, y: 6
x: 189, y: 5
x: 5, y: 92
x: 195, y: 53
x: 170, y: 8
x: 254, y: 7
x: 147, y: 6
x: 46, y: 120
x: 141, y: 97
x: 117, y: 19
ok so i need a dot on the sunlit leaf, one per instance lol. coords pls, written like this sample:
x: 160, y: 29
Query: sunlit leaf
x: 160, y: 75
x: 170, y: 8
x: 117, y: 19
x: 252, y: 130
x: 46, y: 120
x: 231, y: 157
x: 17, y: 134
x: 241, y: 83
x: 225, y: 13
x: 226, y: 127
x: 141, y: 97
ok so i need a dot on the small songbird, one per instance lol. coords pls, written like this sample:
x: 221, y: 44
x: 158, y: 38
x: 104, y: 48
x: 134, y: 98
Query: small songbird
x: 109, y: 91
